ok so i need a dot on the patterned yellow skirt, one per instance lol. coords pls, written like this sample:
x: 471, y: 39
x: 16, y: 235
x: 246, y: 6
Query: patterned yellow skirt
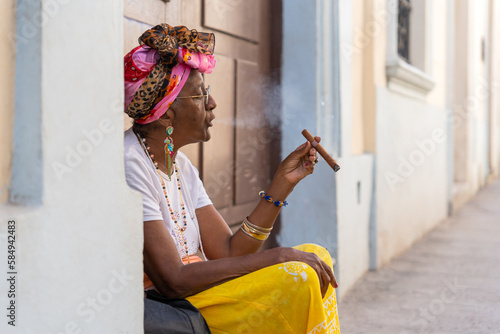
x: 284, y: 298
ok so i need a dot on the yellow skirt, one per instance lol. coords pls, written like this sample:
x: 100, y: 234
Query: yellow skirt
x: 284, y: 298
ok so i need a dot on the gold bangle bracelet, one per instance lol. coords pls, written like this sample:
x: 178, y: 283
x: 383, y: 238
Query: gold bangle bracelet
x: 246, y: 230
x: 254, y: 236
x: 258, y: 228
x: 254, y: 231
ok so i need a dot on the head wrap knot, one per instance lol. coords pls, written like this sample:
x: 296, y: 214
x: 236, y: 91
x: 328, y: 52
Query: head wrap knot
x: 156, y: 71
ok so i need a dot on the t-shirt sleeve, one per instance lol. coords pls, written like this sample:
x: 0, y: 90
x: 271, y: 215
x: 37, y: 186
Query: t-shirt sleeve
x: 139, y: 179
x: 203, y: 199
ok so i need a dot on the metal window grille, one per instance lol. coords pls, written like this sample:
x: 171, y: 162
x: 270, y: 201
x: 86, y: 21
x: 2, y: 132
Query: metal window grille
x: 404, y: 10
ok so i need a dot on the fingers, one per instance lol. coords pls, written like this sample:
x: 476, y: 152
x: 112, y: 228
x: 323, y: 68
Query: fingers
x: 331, y: 276
x: 308, y: 149
x: 325, y: 275
x: 312, y: 158
x: 324, y: 284
x: 308, y: 145
x: 324, y: 280
x: 323, y: 270
x: 309, y: 164
x: 328, y: 278
x: 308, y: 154
x: 302, y: 149
x: 313, y: 154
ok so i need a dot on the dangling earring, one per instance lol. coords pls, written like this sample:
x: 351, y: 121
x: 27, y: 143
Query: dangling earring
x: 169, y: 151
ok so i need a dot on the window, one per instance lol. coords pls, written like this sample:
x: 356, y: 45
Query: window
x: 408, y: 47
x: 404, y: 10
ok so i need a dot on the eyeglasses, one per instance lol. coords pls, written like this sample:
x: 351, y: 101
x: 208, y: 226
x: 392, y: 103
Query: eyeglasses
x: 193, y: 96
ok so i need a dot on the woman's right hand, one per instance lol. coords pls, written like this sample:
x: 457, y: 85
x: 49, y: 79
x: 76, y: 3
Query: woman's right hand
x: 324, y: 272
x: 299, y: 163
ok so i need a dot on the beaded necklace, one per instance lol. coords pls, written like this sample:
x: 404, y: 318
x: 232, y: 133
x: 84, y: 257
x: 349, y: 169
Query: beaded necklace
x: 175, y: 216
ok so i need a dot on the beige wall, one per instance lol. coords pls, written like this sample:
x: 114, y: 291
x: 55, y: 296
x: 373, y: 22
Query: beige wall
x: 368, y: 28
x: 371, y: 18
x: 379, y: 14
x: 7, y: 66
x: 360, y: 43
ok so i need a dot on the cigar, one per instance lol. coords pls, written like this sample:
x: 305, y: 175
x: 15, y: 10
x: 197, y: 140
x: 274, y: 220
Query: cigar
x: 335, y: 166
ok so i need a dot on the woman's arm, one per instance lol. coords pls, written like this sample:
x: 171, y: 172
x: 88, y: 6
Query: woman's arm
x: 218, y: 241
x: 231, y: 255
x: 174, y: 279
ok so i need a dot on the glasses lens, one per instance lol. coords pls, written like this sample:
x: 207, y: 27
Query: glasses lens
x: 206, y: 96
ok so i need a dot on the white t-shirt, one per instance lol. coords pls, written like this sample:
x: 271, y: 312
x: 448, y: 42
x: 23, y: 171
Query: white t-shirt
x: 142, y: 176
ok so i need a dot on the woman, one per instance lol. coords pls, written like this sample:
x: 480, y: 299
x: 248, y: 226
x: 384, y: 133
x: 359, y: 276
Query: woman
x: 237, y: 290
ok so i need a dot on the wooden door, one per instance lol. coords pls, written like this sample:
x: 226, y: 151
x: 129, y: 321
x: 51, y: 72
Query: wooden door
x: 236, y: 163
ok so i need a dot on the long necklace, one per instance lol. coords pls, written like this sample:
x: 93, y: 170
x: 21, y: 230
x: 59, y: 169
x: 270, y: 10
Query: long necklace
x: 175, y: 217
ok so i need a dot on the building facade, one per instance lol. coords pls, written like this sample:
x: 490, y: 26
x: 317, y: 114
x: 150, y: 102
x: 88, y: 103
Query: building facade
x: 405, y: 95
x: 414, y: 87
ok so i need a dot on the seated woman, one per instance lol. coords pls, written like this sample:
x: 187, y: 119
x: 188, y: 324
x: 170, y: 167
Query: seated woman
x: 236, y: 288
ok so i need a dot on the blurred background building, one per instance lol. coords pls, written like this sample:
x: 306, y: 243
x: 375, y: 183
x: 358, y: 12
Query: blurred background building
x: 405, y: 93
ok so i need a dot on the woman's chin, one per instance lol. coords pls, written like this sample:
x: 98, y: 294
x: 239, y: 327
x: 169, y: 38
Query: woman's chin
x: 205, y: 138
x: 208, y: 136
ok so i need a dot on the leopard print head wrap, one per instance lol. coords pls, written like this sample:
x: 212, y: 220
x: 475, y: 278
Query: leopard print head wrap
x: 158, y: 68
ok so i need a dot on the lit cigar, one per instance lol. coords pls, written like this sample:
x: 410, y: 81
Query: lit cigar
x: 321, y: 150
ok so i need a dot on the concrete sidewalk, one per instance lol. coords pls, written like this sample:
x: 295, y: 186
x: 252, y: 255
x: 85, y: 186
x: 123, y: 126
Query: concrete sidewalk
x: 448, y: 282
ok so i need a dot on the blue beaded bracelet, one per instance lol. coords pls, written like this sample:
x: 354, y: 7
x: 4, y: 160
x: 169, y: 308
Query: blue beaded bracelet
x: 269, y: 199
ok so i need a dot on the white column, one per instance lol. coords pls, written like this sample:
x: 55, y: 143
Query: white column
x: 79, y: 234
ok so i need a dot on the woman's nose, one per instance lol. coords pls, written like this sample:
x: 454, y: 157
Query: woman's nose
x: 211, y: 105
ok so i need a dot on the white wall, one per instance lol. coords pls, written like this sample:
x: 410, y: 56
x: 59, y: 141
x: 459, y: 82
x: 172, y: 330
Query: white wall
x: 355, y: 208
x: 79, y: 253
x: 478, y: 96
x: 411, y: 191
x: 412, y: 142
x: 478, y: 90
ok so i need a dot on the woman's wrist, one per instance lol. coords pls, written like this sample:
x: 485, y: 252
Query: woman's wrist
x: 280, y: 188
x: 278, y: 255
x: 265, y: 213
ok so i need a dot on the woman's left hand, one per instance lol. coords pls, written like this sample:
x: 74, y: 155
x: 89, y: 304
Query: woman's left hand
x: 299, y: 163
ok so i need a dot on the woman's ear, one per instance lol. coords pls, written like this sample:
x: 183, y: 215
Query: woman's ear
x: 167, y: 119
